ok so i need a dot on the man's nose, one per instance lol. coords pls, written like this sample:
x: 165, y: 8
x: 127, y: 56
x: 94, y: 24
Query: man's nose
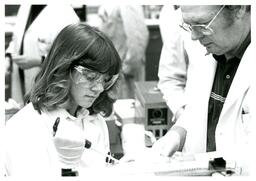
x: 196, y: 35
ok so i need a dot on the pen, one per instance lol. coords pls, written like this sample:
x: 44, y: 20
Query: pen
x: 55, y: 126
x: 109, y: 158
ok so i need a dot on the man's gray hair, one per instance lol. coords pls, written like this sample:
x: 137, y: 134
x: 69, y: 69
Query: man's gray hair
x: 230, y: 12
x: 236, y: 7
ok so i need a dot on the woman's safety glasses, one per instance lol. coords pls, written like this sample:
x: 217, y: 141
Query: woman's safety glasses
x: 89, y: 78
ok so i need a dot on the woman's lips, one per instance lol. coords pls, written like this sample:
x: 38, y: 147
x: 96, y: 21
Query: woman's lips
x: 92, y: 97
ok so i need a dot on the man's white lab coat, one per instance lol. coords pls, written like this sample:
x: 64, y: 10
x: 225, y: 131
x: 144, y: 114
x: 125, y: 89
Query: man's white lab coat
x: 234, y: 127
x: 176, y: 64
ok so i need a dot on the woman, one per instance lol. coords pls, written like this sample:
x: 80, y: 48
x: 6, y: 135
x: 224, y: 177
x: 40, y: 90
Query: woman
x: 76, y: 86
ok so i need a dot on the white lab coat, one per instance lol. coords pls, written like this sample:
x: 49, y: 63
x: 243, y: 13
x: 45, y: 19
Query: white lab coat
x: 29, y: 148
x: 251, y: 148
x: 44, y: 28
x: 178, y: 58
x: 233, y: 129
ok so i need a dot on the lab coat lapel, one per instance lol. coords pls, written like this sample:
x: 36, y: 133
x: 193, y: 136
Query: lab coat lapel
x: 240, y: 84
x: 198, y: 107
x: 205, y: 95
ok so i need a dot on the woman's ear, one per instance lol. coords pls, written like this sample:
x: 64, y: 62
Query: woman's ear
x: 114, y: 91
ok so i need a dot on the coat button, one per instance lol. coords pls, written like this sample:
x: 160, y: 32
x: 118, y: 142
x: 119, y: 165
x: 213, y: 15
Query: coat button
x: 227, y: 76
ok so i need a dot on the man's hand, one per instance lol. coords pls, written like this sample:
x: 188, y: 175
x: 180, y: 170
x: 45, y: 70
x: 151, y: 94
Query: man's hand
x: 168, y: 144
x: 26, y: 62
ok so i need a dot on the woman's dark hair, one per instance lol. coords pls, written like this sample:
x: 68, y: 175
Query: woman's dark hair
x: 76, y: 44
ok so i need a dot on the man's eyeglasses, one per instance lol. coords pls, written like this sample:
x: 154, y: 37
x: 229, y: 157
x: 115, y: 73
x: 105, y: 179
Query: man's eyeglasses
x: 89, y: 78
x: 204, y: 29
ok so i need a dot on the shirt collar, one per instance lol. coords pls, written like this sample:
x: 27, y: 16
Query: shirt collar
x: 63, y: 113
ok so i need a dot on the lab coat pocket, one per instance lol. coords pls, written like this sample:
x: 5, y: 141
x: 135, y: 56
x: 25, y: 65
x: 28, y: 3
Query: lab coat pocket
x: 92, y: 133
x: 246, y: 121
x: 95, y: 155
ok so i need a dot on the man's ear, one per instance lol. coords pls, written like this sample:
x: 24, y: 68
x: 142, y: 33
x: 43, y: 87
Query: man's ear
x: 241, y: 12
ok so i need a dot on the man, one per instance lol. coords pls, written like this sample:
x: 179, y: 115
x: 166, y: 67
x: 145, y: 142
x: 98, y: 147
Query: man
x: 217, y: 114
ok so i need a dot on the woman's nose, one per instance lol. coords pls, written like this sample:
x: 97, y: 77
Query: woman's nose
x: 98, y: 87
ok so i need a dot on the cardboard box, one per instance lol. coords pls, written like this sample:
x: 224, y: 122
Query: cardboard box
x: 151, y: 107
